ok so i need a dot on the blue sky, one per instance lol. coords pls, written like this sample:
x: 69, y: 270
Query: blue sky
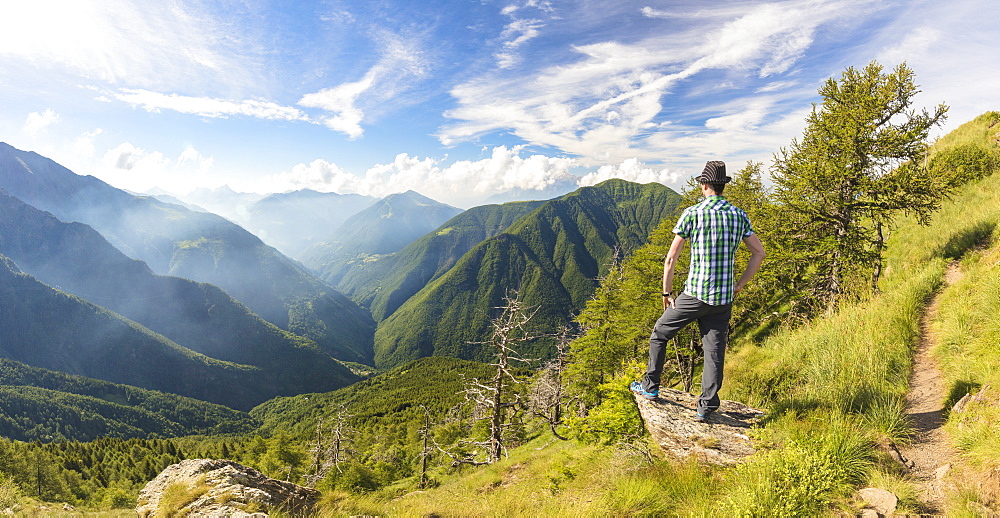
x: 457, y: 99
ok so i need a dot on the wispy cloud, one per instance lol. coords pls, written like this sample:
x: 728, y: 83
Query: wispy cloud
x: 401, y: 64
x: 602, y: 105
x: 122, y: 42
x: 520, y: 30
x: 207, y: 106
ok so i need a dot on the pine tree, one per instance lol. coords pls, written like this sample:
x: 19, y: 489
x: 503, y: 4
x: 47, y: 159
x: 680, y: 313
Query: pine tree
x: 859, y: 164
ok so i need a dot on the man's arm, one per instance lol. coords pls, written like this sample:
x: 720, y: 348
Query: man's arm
x: 757, y: 255
x: 668, y: 270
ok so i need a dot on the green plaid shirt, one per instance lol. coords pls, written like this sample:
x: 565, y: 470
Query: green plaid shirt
x: 715, y: 229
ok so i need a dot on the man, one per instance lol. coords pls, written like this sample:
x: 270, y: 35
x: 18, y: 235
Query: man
x: 715, y: 228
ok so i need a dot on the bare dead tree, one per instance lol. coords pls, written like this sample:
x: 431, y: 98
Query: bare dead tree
x: 686, y: 358
x: 330, y: 445
x: 493, y: 399
x: 545, y: 399
x: 425, y: 451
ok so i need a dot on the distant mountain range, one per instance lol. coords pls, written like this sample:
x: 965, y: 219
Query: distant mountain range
x: 385, y: 227
x: 177, y: 241
x: 294, y: 221
x: 224, y: 201
x: 197, y: 316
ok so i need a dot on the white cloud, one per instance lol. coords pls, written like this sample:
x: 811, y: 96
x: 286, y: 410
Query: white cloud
x: 318, y: 175
x: 633, y: 171
x: 401, y: 64
x: 84, y: 146
x: 131, y: 167
x: 126, y: 156
x: 208, y: 107
x: 37, y: 123
x: 192, y: 158
x: 461, y: 183
x: 150, y: 44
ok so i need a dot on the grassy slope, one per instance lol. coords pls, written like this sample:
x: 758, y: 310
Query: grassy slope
x: 967, y: 325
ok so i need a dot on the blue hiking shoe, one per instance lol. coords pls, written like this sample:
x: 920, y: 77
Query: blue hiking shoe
x: 701, y: 417
x: 637, y: 388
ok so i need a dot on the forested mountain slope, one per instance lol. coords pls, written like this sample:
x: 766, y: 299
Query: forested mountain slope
x: 554, y: 256
x: 386, y: 283
x: 39, y: 404
x: 385, y: 227
x: 384, y: 408
x: 46, y: 328
x: 198, y: 316
x: 173, y: 240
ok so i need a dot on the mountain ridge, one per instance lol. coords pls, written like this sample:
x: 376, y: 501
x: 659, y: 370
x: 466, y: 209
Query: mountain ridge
x: 384, y: 227
x: 176, y: 241
x: 553, y: 256
x: 386, y: 283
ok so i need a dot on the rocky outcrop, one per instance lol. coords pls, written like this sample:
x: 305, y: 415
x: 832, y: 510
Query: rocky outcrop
x: 206, y: 487
x: 722, y: 439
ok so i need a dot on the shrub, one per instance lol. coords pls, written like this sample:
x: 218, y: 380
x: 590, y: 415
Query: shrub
x: 10, y: 493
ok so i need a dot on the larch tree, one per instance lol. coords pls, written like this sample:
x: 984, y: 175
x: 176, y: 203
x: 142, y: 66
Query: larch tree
x: 859, y: 164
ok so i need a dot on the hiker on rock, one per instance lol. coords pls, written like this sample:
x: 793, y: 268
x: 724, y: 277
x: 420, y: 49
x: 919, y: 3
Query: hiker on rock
x: 715, y: 229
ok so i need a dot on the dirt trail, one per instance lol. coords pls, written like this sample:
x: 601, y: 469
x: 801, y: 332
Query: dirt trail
x: 931, y: 451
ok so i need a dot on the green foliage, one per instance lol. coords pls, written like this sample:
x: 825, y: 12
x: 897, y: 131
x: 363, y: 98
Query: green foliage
x: 118, y: 498
x: 800, y: 479
x: 283, y: 459
x: 965, y: 163
x: 859, y: 165
x: 614, y: 419
x: 10, y: 493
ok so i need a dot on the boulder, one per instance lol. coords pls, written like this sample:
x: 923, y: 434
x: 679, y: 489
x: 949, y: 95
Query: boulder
x: 722, y: 439
x: 206, y: 487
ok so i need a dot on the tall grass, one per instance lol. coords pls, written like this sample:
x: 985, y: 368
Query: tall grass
x: 855, y: 362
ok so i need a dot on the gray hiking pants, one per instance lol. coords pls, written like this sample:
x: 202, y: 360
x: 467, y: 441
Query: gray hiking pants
x: 713, y: 321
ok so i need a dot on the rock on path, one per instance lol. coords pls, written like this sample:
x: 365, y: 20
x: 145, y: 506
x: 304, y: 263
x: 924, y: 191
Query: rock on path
x: 722, y: 439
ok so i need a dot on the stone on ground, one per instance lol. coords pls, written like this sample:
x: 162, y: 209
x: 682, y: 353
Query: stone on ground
x: 206, y: 487
x: 722, y: 439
